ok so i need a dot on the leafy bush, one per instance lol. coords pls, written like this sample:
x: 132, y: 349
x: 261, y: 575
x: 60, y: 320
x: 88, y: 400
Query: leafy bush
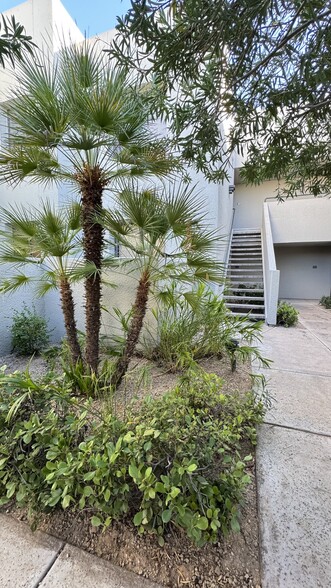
x: 29, y: 332
x: 287, y: 315
x: 198, y: 324
x: 326, y: 301
x: 179, y: 461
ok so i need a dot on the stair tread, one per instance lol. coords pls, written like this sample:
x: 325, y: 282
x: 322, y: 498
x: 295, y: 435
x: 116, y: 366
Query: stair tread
x: 247, y: 290
x: 238, y: 298
x: 250, y: 315
x: 252, y: 306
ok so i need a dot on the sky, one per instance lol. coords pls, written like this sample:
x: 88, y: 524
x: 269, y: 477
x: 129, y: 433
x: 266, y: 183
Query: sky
x: 91, y: 16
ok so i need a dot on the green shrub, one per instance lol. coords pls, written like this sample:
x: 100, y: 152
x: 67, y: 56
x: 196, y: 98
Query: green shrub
x: 326, y: 301
x: 29, y: 332
x: 287, y: 315
x: 179, y: 461
x: 198, y: 324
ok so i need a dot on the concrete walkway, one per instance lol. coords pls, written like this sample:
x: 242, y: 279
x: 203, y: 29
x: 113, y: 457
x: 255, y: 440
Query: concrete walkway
x: 294, y: 454
x: 32, y: 560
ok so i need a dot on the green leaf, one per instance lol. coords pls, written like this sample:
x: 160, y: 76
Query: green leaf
x: 202, y: 523
x: 88, y: 490
x: 66, y: 501
x: 174, y: 492
x: 192, y: 467
x: 235, y: 525
x: 138, y: 518
x: 166, y: 515
x: 96, y: 521
x: 134, y: 472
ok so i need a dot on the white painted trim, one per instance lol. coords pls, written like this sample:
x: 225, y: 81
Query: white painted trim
x: 270, y: 272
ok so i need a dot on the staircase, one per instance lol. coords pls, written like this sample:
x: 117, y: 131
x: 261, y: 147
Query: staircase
x: 244, y: 292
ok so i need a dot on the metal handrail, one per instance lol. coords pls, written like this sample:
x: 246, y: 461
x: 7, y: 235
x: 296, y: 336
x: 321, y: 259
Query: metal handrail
x: 227, y: 255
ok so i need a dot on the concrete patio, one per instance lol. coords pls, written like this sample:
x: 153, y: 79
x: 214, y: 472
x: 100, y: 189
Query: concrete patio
x: 294, y: 454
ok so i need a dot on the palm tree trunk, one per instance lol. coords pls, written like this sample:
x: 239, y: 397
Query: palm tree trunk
x: 68, y: 309
x: 92, y: 186
x: 136, y: 323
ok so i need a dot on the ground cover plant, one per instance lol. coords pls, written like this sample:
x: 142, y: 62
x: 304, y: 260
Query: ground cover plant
x: 178, y: 461
x: 287, y: 315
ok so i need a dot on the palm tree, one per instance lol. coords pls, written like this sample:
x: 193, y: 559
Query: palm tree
x: 49, y: 240
x: 80, y: 120
x: 148, y: 223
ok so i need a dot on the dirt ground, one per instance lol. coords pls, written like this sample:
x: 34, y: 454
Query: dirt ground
x: 233, y: 561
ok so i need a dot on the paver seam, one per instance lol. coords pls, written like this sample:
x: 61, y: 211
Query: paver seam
x: 316, y: 337
x: 291, y: 428
x: 49, y: 566
x: 288, y: 370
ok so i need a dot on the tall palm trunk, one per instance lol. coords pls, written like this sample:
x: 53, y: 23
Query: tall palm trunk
x: 136, y: 323
x: 92, y: 186
x: 68, y: 309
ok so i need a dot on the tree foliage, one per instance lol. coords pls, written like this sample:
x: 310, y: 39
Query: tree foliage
x: 264, y: 65
x: 14, y: 42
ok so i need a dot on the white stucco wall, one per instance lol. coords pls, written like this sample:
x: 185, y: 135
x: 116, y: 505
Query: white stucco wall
x: 248, y: 203
x: 48, y: 306
x: 301, y: 220
x: 305, y: 271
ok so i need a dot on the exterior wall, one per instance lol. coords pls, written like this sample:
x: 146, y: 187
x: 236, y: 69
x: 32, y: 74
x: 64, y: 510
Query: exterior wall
x: 298, y: 276
x: 301, y: 220
x: 248, y: 203
x: 121, y: 297
x: 48, y: 306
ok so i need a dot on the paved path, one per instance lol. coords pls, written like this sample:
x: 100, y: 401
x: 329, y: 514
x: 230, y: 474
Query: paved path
x: 32, y: 560
x: 294, y: 454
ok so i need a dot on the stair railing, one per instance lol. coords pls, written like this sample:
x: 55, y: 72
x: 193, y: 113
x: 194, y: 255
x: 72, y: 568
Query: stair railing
x: 228, y: 249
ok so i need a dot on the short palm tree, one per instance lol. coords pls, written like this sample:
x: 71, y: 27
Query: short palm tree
x: 165, y: 237
x: 79, y: 119
x: 49, y: 240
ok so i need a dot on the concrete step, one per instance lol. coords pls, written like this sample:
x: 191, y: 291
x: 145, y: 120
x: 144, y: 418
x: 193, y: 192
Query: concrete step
x: 250, y: 306
x: 243, y: 248
x: 244, y: 262
x: 244, y: 282
x: 236, y: 277
x: 243, y: 270
x: 250, y: 315
x: 247, y: 290
x: 238, y: 298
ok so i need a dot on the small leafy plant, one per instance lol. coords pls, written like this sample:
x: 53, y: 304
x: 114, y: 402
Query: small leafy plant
x: 325, y: 301
x: 180, y: 461
x: 30, y: 333
x: 287, y: 315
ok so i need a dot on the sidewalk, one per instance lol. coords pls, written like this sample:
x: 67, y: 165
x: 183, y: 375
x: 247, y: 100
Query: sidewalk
x: 32, y: 560
x: 294, y: 454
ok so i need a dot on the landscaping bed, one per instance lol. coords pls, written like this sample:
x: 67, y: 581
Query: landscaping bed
x: 231, y: 561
